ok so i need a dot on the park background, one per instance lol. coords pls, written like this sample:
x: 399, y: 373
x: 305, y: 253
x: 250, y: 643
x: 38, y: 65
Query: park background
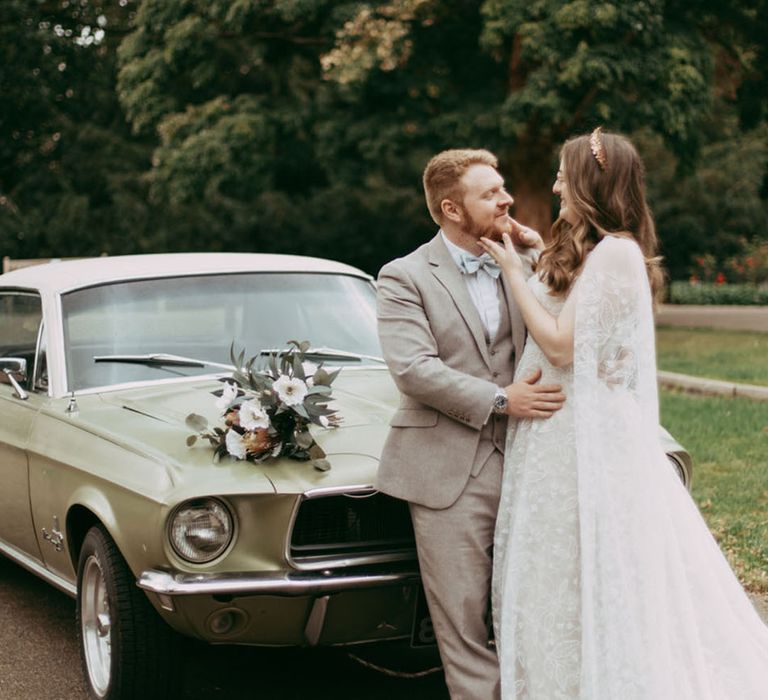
x: 303, y: 126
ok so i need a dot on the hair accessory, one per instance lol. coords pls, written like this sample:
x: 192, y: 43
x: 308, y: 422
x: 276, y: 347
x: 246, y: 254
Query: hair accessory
x: 598, y: 149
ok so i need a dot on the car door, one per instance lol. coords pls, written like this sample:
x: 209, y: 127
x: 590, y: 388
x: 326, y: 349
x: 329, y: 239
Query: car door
x: 20, y: 323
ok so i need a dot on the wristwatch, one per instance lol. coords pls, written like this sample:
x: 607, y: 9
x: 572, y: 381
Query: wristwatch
x: 500, y: 401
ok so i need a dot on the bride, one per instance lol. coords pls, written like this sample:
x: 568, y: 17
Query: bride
x: 607, y: 583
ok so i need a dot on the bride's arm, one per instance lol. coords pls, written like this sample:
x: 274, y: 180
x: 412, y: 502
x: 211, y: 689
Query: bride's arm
x: 553, y: 334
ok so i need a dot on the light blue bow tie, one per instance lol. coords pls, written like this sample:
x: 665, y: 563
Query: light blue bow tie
x: 472, y: 263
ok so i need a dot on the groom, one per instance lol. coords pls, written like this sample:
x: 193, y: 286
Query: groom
x: 452, y: 337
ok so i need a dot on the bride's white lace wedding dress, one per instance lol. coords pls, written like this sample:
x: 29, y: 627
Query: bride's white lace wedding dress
x: 607, y: 584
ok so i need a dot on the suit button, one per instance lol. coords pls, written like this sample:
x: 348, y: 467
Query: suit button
x: 495, y: 374
x: 493, y: 352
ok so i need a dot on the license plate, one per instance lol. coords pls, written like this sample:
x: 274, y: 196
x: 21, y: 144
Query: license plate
x: 422, y: 633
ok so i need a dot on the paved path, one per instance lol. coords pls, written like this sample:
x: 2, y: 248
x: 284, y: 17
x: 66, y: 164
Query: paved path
x: 39, y: 659
x: 736, y: 318
x: 742, y: 318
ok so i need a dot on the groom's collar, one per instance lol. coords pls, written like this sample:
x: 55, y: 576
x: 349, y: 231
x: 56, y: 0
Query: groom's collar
x: 455, y: 251
x: 439, y: 249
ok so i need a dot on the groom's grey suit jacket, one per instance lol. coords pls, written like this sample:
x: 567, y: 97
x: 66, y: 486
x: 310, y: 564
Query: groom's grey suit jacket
x: 447, y: 372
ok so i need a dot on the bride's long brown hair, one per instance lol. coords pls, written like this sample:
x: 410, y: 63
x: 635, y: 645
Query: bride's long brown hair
x: 606, y: 184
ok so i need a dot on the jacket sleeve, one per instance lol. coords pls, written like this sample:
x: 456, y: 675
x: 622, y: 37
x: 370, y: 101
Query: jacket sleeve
x: 411, y: 352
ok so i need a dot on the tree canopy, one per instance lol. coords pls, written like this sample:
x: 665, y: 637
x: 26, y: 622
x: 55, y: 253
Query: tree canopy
x: 303, y: 125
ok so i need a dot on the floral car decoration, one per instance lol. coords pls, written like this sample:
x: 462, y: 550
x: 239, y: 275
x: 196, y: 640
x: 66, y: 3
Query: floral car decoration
x: 267, y: 411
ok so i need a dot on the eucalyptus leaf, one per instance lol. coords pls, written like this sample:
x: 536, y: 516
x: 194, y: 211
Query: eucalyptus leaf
x: 316, y: 452
x: 196, y: 422
x: 321, y: 377
x: 322, y: 465
x: 191, y: 440
x: 298, y: 368
x: 320, y: 389
x: 304, y: 439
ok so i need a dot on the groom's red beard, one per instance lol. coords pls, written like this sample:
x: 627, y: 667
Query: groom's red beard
x: 475, y: 230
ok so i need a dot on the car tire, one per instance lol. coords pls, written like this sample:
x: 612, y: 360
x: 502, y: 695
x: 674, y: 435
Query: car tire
x: 126, y: 649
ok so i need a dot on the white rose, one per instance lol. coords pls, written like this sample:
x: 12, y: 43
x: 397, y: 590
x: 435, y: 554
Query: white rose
x: 253, y: 415
x: 291, y: 390
x: 228, y: 395
x: 235, y: 444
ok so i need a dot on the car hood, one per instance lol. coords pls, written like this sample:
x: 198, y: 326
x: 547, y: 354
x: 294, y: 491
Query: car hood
x: 151, y: 419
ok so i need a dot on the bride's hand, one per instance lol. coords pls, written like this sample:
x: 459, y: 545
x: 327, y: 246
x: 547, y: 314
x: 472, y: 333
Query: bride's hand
x: 505, y: 256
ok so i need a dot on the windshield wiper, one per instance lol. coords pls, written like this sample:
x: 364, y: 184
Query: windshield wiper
x: 326, y: 353
x: 160, y: 360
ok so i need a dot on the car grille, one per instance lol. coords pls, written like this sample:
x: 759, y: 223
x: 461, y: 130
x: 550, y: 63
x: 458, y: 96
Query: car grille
x: 358, y: 524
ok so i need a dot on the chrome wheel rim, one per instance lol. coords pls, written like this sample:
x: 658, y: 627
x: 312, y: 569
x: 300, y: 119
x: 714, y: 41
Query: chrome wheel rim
x: 96, y: 626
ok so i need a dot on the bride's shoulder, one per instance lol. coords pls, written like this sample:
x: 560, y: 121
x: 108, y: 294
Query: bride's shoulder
x: 616, y: 252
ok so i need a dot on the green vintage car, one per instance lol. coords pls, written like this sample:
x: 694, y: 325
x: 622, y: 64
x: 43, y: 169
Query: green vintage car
x: 101, y: 361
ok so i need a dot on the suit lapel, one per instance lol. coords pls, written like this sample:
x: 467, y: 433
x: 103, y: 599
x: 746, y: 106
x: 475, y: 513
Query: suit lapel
x: 449, y: 275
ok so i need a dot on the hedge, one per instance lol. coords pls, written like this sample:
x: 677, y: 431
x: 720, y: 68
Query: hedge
x: 708, y: 293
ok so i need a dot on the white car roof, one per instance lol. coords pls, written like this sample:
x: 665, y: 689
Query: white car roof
x: 61, y: 276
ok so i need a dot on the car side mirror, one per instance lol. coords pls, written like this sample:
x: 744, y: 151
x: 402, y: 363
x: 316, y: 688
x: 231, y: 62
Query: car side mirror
x: 15, y: 369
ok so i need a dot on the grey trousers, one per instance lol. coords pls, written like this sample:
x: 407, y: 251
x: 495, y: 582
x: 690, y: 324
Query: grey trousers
x: 454, y: 547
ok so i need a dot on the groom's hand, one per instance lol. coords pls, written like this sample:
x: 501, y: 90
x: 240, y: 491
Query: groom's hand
x: 527, y: 399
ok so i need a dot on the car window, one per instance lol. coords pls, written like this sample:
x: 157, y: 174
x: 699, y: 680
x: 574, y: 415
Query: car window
x: 20, y: 317
x: 200, y: 317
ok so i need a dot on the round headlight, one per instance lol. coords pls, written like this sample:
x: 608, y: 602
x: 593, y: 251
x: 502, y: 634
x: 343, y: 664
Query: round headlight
x: 200, y: 530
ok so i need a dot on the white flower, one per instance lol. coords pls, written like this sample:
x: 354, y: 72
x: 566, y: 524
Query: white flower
x: 235, y: 444
x: 324, y: 421
x: 291, y: 390
x: 229, y: 393
x: 253, y: 415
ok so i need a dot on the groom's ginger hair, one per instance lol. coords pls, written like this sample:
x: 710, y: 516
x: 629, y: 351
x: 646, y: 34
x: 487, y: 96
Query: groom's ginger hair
x: 443, y: 173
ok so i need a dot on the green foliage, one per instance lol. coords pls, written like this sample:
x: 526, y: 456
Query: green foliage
x: 69, y: 171
x: 303, y: 126
x: 708, y: 293
x: 721, y: 207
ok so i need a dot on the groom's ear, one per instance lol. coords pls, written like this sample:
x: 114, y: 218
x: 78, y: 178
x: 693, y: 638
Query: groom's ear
x: 450, y: 210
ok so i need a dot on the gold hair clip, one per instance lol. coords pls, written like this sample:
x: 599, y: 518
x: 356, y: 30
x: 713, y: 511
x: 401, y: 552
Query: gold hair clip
x: 598, y: 150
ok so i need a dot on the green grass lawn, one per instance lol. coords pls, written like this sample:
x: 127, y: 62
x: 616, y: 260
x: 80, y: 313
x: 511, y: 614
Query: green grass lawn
x: 737, y: 356
x: 728, y: 439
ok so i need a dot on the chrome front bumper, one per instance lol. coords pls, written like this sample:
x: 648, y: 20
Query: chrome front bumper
x: 314, y: 583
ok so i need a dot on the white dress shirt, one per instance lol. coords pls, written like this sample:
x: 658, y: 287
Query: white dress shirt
x: 483, y: 290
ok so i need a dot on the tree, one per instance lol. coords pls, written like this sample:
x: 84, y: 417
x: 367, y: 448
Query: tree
x: 69, y: 169
x: 521, y: 77
x: 304, y: 125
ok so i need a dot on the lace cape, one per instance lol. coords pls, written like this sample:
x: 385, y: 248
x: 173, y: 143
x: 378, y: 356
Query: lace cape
x: 662, y: 614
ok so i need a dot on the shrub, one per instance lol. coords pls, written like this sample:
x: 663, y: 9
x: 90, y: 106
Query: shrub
x: 709, y: 293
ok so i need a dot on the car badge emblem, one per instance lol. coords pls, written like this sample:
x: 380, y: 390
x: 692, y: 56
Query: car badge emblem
x: 55, y: 536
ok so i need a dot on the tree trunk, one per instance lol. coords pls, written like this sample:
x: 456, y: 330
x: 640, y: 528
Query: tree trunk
x: 529, y: 180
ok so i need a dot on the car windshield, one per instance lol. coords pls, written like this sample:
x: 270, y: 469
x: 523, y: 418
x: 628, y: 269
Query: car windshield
x: 128, y: 324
